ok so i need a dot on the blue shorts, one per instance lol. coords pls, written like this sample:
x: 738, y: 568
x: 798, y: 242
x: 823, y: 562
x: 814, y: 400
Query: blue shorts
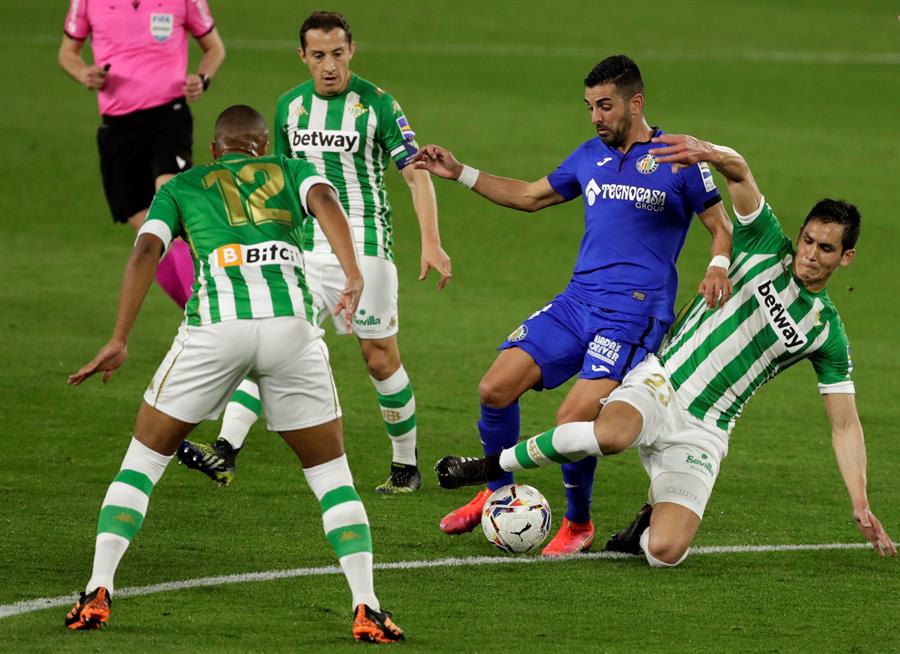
x: 568, y: 336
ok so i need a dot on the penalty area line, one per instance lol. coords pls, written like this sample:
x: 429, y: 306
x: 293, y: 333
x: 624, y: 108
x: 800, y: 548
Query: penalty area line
x: 29, y: 606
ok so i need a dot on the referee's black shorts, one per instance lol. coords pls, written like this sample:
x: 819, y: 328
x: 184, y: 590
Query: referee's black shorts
x: 137, y: 148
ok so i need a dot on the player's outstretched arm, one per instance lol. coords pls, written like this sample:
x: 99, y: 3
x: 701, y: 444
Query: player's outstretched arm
x: 425, y: 206
x: 687, y: 150
x: 513, y: 193
x: 93, y: 77
x: 850, y: 452
x: 323, y: 203
x: 139, y: 273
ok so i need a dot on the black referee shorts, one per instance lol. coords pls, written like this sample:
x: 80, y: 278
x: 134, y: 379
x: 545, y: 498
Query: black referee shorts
x: 137, y: 148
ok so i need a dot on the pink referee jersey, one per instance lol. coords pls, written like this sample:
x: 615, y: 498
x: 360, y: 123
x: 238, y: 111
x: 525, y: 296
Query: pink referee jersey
x: 145, y: 44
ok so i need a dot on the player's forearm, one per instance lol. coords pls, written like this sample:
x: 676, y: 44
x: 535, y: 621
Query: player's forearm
x: 850, y: 453
x: 507, y: 192
x: 139, y: 273
x: 424, y: 204
x: 336, y: 227
x: 742, y: 187
x: 722, y: 240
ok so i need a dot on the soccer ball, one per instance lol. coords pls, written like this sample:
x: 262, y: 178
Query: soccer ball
x: 516, y: 518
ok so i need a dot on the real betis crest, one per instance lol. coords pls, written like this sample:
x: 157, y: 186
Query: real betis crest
x: 357, y: 110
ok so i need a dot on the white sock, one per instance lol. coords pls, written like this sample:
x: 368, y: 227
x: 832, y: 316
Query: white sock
x: 572, y: 441
x: 346, y: 526
x: 653, y: 561
x: 241, y: 412
x: 123, y: 510
x: 398, y: 408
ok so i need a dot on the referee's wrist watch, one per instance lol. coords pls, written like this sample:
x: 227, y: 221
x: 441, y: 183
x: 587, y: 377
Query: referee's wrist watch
x: 206, y: 79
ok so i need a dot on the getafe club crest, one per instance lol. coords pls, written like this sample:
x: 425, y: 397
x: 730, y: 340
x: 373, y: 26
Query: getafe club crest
x: 520, y: 333
x: 647, y: 164
x: 161, y: 26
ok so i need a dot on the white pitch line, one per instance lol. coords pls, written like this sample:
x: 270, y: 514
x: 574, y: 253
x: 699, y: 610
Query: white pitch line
x: 820, y: 57
x: 29, y: 606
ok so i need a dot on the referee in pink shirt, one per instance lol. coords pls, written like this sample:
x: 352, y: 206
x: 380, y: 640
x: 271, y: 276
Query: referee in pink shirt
x: 140, y: 50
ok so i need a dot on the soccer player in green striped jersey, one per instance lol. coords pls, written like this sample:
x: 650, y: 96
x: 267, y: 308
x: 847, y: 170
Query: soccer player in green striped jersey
x: 250, y: 313
x: 679, y: 408
x: 350, y: 130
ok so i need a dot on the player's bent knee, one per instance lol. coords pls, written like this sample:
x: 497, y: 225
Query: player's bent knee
x: 494, y: 394
x: 662, y: 554
x: 380, y: 367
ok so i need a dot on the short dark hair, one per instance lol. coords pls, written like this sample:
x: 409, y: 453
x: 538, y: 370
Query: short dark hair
x: 242, y: 125
x: 619, y: 70
x: 840, y: 212
x: 325, y: 21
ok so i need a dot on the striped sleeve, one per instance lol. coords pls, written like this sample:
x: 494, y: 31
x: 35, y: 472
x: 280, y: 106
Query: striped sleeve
x: 760, y: 232
x: 832, y: 361
x: 163, y: 216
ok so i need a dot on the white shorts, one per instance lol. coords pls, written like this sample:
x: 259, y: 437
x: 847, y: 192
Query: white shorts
x: 376, y: 316
x: 680, y: 453
x: 286, y: 356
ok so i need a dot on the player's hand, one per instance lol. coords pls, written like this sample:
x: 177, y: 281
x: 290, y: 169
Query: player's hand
x: 681, y: 150
x: 193, y: 87
x: 94, y: 77
x: 873, y: 531
x: 108, y: 360
x: 715, y: 287
x: 349, y: 300
x: 433, y: 256
x: 438, y: 161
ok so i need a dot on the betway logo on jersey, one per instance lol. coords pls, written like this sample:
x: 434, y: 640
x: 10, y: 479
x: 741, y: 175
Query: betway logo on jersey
x: 258, y: 254
x: 324, y: 140
x: 778, y: 317
x: 648, y: 199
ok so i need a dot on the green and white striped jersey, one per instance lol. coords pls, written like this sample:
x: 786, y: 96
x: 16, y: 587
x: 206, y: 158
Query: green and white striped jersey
x: 240, y: 216
x: 716, y: 360
x: 349, y: 138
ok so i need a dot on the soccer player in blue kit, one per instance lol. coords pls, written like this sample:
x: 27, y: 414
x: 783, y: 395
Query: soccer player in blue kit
x: 619, y: 301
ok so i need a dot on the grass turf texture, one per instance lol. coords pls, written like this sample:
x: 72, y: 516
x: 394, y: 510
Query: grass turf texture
x: 808, y: 93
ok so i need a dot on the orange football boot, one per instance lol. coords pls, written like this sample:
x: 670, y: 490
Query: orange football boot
x: 572, y: 538
x: 467, y: 517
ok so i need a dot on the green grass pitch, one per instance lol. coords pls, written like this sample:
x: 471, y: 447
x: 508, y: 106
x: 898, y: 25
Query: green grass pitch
x: 808, y: 91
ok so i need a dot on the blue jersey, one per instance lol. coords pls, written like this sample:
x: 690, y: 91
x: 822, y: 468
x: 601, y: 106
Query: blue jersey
x: 636, y: 217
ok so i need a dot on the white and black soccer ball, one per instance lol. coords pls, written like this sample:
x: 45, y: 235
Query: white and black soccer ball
x: 516, y: 518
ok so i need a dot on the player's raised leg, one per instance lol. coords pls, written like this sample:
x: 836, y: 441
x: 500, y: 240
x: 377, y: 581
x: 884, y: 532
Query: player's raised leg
x: 513, y: 372
x: 616, y: 429
x: 156, y: 435
x: 398, y: 409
